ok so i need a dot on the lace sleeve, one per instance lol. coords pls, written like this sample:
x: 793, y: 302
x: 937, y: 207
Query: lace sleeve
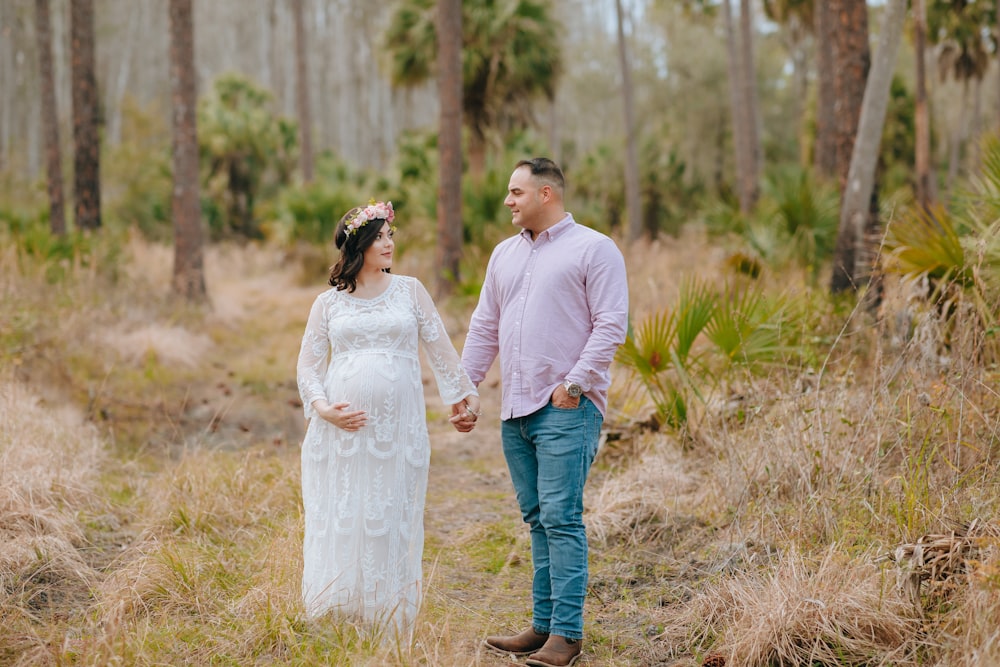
x: 452, y: 380
x: 313, y: 357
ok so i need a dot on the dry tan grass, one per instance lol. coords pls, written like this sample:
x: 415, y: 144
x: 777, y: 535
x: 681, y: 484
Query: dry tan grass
x: 881, y: 444
x: 936, y: 565
x: 970, y: 630
x: 797, y: 612
x: 49, y: 466
x: 635, y: 505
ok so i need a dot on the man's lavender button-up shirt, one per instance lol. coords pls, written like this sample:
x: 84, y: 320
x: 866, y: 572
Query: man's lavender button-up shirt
x: 554, y: 308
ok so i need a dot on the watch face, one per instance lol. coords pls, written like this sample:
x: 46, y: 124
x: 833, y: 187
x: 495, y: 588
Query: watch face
x: 574, y: 390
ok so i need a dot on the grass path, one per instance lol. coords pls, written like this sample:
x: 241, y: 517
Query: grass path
x: 477, y: 566
x: 196, y: 518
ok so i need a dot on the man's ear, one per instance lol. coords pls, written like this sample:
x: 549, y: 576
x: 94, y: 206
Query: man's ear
x: 546, y: 192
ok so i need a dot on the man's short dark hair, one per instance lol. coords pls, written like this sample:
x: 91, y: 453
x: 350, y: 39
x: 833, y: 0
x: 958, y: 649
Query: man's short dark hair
x: 545, y: 170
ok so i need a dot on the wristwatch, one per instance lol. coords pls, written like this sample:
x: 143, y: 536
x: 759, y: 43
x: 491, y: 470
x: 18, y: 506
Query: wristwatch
x: 573, y: 389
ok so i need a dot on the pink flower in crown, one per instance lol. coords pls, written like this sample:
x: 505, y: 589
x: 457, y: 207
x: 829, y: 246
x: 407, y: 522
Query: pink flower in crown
x: 385, y: 212
x: 373, y: 211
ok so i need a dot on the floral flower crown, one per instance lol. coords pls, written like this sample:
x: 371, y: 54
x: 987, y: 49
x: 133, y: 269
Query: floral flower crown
x: 374, y: 211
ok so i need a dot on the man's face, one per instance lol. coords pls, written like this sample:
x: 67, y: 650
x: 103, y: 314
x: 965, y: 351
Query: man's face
x: 524, y: 199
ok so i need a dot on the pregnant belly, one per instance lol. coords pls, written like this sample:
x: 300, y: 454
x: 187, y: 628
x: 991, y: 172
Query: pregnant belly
x: 371, y: 381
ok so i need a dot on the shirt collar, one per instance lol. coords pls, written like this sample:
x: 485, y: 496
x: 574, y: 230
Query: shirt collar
x: 555, y: 230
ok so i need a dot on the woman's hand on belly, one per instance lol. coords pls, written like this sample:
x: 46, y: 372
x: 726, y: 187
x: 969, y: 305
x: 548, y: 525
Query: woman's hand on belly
x: 338, y: 415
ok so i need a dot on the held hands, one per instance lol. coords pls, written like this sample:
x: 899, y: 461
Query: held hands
x: 465, y: 413
x: 338, y: 415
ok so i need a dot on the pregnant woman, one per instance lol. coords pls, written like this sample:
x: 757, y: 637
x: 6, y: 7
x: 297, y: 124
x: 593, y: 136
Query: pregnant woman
x: 366, y: 450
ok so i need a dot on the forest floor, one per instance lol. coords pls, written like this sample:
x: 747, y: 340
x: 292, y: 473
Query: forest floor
x: 477, y: 565
x: 150, y: 509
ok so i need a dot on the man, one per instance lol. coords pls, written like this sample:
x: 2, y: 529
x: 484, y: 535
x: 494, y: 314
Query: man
x: 554, y: 306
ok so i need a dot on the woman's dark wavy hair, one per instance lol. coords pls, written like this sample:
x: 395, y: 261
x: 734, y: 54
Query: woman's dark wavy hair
x: 344, y: 274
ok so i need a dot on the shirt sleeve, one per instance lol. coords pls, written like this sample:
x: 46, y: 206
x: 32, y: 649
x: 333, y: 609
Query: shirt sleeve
x: 607, y: 297
x: 482, y: 342
x: 452, y: 380
x: 313, y: 357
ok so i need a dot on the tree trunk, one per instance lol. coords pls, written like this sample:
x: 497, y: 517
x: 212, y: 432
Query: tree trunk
x: 633, y: 200
x: 740, y: 147
x: 449, y: 200
x: 86, y: 139
x: 189, y: 273
x: 825, y: 149
x: 855, y: 207
x: 302, y: 91
x: 751, y: 106
x: 50, y: 119
x: 851, y: 60
x: 921, y: 116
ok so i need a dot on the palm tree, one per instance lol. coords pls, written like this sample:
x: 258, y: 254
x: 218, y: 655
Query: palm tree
x: 851, y: 57
x: 449, y: 213
x: 957, y: 27
x: 189, y: 273
x: 248, y: 149
x: 87, y: 143
x: 50, y: 119
x: 510, y: 57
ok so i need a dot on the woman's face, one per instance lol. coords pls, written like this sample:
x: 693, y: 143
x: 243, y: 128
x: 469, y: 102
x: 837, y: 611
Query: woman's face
x: 379, y: 253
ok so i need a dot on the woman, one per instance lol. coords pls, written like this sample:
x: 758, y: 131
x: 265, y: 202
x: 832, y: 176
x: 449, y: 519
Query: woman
x: 366, y: 450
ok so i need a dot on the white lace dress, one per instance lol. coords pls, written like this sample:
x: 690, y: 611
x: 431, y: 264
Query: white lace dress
x: 363, y: 492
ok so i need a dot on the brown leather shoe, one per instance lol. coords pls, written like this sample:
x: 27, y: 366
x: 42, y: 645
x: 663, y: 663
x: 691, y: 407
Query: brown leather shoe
x: 523, y: 643
x: 557, y: 652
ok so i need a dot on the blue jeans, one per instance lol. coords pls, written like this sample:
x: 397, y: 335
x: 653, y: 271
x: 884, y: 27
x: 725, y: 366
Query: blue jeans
x: 549, y: 453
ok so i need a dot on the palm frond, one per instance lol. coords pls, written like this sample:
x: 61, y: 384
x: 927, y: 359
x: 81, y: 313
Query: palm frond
x: 927, y: 242
x: 696, y: 305
x: 660, y: 352
x: 747, y: 327
x: 647, y: 350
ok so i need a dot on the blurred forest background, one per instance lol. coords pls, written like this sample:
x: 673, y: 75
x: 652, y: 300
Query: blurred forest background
x: 800, y: 459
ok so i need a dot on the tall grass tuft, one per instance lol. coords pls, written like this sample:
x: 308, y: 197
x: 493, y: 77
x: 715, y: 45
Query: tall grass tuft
x: 803, y: 611
x: 50, y: 463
